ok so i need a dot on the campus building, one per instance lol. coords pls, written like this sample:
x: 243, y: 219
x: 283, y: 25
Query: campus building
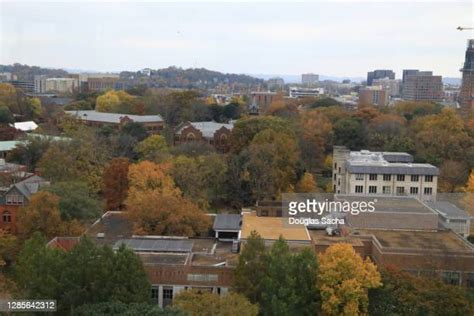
x: 422, y: 86
x: 373, y: 96
x: 212, y: 133
x: 153, y: 123
x: 382, y: 173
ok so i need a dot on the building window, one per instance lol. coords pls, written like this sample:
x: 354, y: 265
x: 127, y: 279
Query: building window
x: 339, y: 169
x: 400, y: 190
x: 470, y: 280
x: 400, y: 177
x: 373, y: 177
x: 202, y: 277
x: 452, y: 278
x: 359, y: 176
x: 359, y: 189
x: 413, y: 190
x: 13, y: 199
x: 167, y: 295
x: 428, y: 191
x: 264, y: 213
x: 387, y: 177
x: 373, y: 189
x: 155, y: 294
x: 428, y: 178
x: 7, y: 217
x: 415, y: 178
x: 335, y: 166
x: 386, y: 190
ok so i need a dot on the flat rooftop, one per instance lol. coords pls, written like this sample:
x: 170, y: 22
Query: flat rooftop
x: 110, y: 228
x: 163, y: 258
x: 270, y: 228
x: 390, y: 204
x: 443, y: 240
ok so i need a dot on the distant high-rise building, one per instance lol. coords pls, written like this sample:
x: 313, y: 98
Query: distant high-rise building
x: 423, y: 86
x: 391, y: 85
x: 276, y: 82
x: 374, y: 95
x: 379, y: 74
x: 309, y: 79
x: 25, y: 86
x: 40, y: 83
x: 409, y: 72
x: 62, y: 85
x: 466, y: 97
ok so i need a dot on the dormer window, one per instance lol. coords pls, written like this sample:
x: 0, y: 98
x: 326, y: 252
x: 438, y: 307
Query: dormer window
x: 13, y: 199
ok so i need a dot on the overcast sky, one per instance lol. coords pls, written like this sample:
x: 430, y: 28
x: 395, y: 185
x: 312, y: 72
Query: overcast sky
x: 332, y: 38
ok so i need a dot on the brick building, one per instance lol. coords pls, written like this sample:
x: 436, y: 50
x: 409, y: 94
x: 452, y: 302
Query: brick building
x: 212, y: 133
x: 154, y: 124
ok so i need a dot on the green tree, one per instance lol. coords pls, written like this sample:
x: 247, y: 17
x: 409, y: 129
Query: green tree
x: 30, y: 151
x: 351, y: 133
x: 405, y: 294
x: 123, y: 309
x: 6, y: 115
x: 152, y: 148
x: 75, y: 200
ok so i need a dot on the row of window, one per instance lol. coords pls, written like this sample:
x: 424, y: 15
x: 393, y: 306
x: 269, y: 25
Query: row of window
x: 14, y: 199
x: 448, y: 277
x: 388, y: 190
x: 388, y: 177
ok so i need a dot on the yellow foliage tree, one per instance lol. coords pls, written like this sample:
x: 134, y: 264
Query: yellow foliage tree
x: 107, y: 102
x: 344, y: 279
x: 306, y: 184
x: 41, y: 214
x: 155, y: 206
x: 470, y: 183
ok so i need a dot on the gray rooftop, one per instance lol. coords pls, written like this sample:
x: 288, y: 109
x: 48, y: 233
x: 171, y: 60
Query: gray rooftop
x: 31, y: 185
x: 156, y: 245
x: 447, y: 209
x: 206, y: 128
x: 227, y: 222
x: 115, y: 118
x: 393, y: 168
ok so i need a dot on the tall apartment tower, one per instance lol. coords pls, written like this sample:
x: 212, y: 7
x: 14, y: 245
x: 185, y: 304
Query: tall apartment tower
x: 379, y: 74
x: 466, y: 97
x: 309, y: 79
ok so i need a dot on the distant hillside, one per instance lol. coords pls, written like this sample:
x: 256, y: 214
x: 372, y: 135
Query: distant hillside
x: 175, y: 77
x: 25, y: 72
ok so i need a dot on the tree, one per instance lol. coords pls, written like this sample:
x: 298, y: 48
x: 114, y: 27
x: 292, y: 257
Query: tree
x: 325, y: 102
x: 201, y: 178
x: 115, y: 183
x: 82, y: 160
x: 6, y: 115
x: 441, y: 137
x: 156, y: 207
x: 135, y: 130
x: 123, y: 309
x: 8, y: 243
x: 405, y: 294
x: 87, y: 274
x: 306, y: 184
x: 108, y: 102
x: 271, y: 168
x: 209, y: 304
x: 75, y: 200
x: 453, y: 176
x: 152, y: 148
x: 251, y: 268
x: 470, y: 183
x: 316, y: 138
x: 350, y: 133
x: 41, y: 215
x: 245, y: 130
x: 281, y: 282
x: 344, y: 279
x: 30, y: 151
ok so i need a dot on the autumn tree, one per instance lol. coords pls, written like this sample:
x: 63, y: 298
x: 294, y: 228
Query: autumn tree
x: 406, y: 294
x: 201, y: 178
x: 8, y: 244
x: 153, y: 148
x: 344, y: 279
x: 245, y: 130
x: 453, y: 175
x: 115, y: 183
x: 208, y: 304
x: 306, y: 184
x: 156, y: 207
x: 29, y: 151
x: 470, y: 182
x: 441, y: 137
x: 42, y: 215
x: 119, y: 308
x: 316, y: 138
x: 271, y: 167
x: 116, y: 102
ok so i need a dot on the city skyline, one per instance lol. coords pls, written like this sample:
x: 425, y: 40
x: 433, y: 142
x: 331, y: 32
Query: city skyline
x: 259, y: 38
